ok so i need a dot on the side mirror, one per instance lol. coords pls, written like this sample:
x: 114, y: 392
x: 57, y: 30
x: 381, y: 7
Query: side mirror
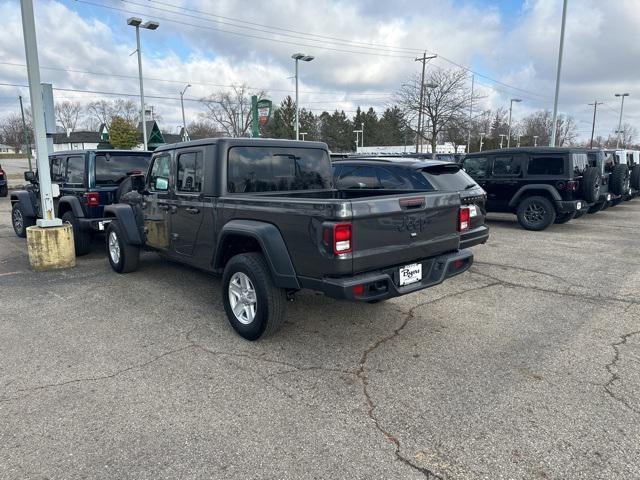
x: 137, y: 182
x: 162, y: 183
x: 30, y: 176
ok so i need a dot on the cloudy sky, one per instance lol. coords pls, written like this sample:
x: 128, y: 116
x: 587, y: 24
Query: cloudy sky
x: 364, y: 51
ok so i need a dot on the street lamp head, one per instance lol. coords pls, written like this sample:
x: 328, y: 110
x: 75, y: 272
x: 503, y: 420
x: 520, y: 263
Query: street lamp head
x: 516, y: 100
x: 430, y: 85
x: 307, y: 58
x: 151, y: 25
x: 298, y: 56
x: 134, y: 21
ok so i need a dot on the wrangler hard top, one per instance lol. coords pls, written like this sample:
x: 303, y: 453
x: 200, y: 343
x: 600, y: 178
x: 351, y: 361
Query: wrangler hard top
x: 541, y: 185
x: 264, y: 214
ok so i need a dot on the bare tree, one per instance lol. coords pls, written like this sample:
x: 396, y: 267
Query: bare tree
x: 67, y: 114
x: 104, y: 111
x: 230, y: 111
x: 203, y: 129
x: 629, y: 133
x: 446, y: 102
x: 12, y: 132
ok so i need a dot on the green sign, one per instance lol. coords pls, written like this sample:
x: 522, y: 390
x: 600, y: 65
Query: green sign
x: 260, y: 114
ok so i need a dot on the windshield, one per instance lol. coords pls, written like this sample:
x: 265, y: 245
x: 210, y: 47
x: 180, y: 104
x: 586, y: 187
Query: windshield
x: 448, y: 177
x: 113, y: 168
x: 277, y: 169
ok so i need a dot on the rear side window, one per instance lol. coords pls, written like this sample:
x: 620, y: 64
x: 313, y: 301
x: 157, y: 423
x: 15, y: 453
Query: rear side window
x: 353, y: 176
x: 448, y: 178
x: 506, y: 166
x: 111, y: 169
x: 275, y: 169
x: 476, y: 166
x: 580, y: 162
x: 190, y: 172
x: 75, y: 170
x: 546, y: 165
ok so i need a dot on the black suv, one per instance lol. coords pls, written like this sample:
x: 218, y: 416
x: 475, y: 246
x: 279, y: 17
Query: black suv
x: 411, y: 174
x: 627, y: 180
x: 3, y: 183
x: 541, y: 185
x: 88, y: 180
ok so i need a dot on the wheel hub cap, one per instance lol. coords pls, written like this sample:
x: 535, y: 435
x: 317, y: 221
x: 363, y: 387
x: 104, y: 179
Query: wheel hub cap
x: 17, y: 219
x: 114, y: 248
x: 242, y: 298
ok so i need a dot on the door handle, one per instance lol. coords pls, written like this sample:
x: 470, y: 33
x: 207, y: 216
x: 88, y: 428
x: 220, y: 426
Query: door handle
x: 164, y: 207
x: 193, y: 210
x: 168, y: 208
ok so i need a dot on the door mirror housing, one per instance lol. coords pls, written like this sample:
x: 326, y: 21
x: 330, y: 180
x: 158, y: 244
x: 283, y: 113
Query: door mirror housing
x: 30, y: 176
x: 138, y: 182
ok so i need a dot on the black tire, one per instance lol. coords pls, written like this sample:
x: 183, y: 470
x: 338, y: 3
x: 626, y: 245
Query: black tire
x: 128, y: 257
x: 616, y: 201
x: 270, y: 301
x: 81, y: 239
x: 606, y: 205
x: 597, y: 207
x: 536, y: 213
x: 590, y: 185
x: 580, y: 213
x: 20, y: 221
x: 564, y: 217
x: 634, y: 179
x: 620, y: 180
x: 4, y: 191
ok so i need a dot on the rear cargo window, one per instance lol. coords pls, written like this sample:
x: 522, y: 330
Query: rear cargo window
x: 546, y: 165
x: 111, y: 168
x: 448, y: 178
x: 275, y: 169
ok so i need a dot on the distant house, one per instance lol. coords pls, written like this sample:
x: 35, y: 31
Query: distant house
x: 6, y: 148
x: 75, y: 141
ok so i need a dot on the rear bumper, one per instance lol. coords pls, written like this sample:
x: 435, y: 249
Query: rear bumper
x: 93, y: 224
x: 571, y: 206
x: 474, y: 237
x: 383, y: 284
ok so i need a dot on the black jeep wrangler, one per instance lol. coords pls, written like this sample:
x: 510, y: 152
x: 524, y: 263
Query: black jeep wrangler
x: 88, y: 180
x: 541, y: 185
x: 628, y: 178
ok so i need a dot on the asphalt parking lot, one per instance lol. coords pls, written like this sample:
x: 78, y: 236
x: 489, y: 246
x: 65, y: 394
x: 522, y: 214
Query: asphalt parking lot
x: 524, y: 367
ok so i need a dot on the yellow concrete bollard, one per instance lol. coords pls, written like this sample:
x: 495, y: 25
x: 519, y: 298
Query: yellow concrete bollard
x: 51, y: 248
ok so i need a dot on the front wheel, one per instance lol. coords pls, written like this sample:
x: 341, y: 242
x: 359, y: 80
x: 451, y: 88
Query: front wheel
x: 20, y: 221
x: 81, y: 238
x: 123, y: 257
x: 254, y: 306
x: 4, y: 191
x: 536, y: 213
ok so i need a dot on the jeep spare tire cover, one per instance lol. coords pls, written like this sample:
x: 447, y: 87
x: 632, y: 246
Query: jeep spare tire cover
x: 635, y: 177
x: 591, y: 185
x: 619, y: 179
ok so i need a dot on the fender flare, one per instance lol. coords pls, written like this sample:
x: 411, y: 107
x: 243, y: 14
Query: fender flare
x: 23, y: 198
x: 273, y: 247
x: 126, y: 218
x: 74, y: 203
x: 548, y: 188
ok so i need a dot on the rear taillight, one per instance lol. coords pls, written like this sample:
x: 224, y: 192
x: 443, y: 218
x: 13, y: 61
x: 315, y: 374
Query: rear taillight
x: 464, y: 214
x: 572, y: 185
x: 342, y: 238
x: 92, y: 198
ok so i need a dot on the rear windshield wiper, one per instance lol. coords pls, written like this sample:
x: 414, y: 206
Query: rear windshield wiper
x: 470, y: 186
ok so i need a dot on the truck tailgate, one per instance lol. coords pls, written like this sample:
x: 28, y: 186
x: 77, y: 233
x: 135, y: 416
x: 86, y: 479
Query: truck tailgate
x: 400, y: 229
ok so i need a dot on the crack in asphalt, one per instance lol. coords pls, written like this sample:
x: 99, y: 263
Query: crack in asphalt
x: 615, y: 377
x: 522, y: 269
x: 364, y: 379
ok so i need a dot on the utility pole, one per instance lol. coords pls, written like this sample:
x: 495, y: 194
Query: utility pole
x: 25, y: 134
x: 620, y: 122
x: 510, y: 111
x: 37, y: 109
x: 593, y: 125
x: 473, y: 80
x: 362, y: 131
x: 424, y: 59
x: 502, y: 135
x: 552, y: 142
x: 482, y: 134
x: 518, y: 145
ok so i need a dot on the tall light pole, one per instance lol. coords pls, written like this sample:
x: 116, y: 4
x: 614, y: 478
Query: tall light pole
x: 535, y: 140
x: 137, y: 23
x: 482, y: 134
x: 552, y: 141
x: 358, y: 132
x: 518, y: 145
x: 620, y: 122
x: 473, y: 81
x: 593, y: 125
x: 305, y: 58
x: 502, y: 135
x: 424, y: 59
x: 185, y: 135
x: 517, y: 100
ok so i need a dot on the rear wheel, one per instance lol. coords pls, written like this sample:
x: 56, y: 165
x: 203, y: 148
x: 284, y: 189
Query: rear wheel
x: 616, y: 201
x: 597, y: 207
x: 255, y: 307
x: 580, y: 213
x: 20, y: 221
x: 123, y: 257
x: 81, y: 239
x: 4, y: 191
x: 620, y: 180
x: 634, y: 180
x: 536, y: 213
x: 591, y: 182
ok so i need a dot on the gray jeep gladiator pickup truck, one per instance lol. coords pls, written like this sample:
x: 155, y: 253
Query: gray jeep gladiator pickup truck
x: 264, y: 215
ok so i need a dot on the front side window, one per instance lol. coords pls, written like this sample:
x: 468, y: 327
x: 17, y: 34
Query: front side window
x: 159, y: 176
x: 506, y: 166
x: 276, y: 169
x: 546, y: 165
x: 75, y: 170
x: 56, y: 166
x: 476, y: 166
x: 190, y: 172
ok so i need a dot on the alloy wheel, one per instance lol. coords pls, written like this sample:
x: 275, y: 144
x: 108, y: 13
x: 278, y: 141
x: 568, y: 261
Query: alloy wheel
x: 114, y: 248
x: 242, y: 297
